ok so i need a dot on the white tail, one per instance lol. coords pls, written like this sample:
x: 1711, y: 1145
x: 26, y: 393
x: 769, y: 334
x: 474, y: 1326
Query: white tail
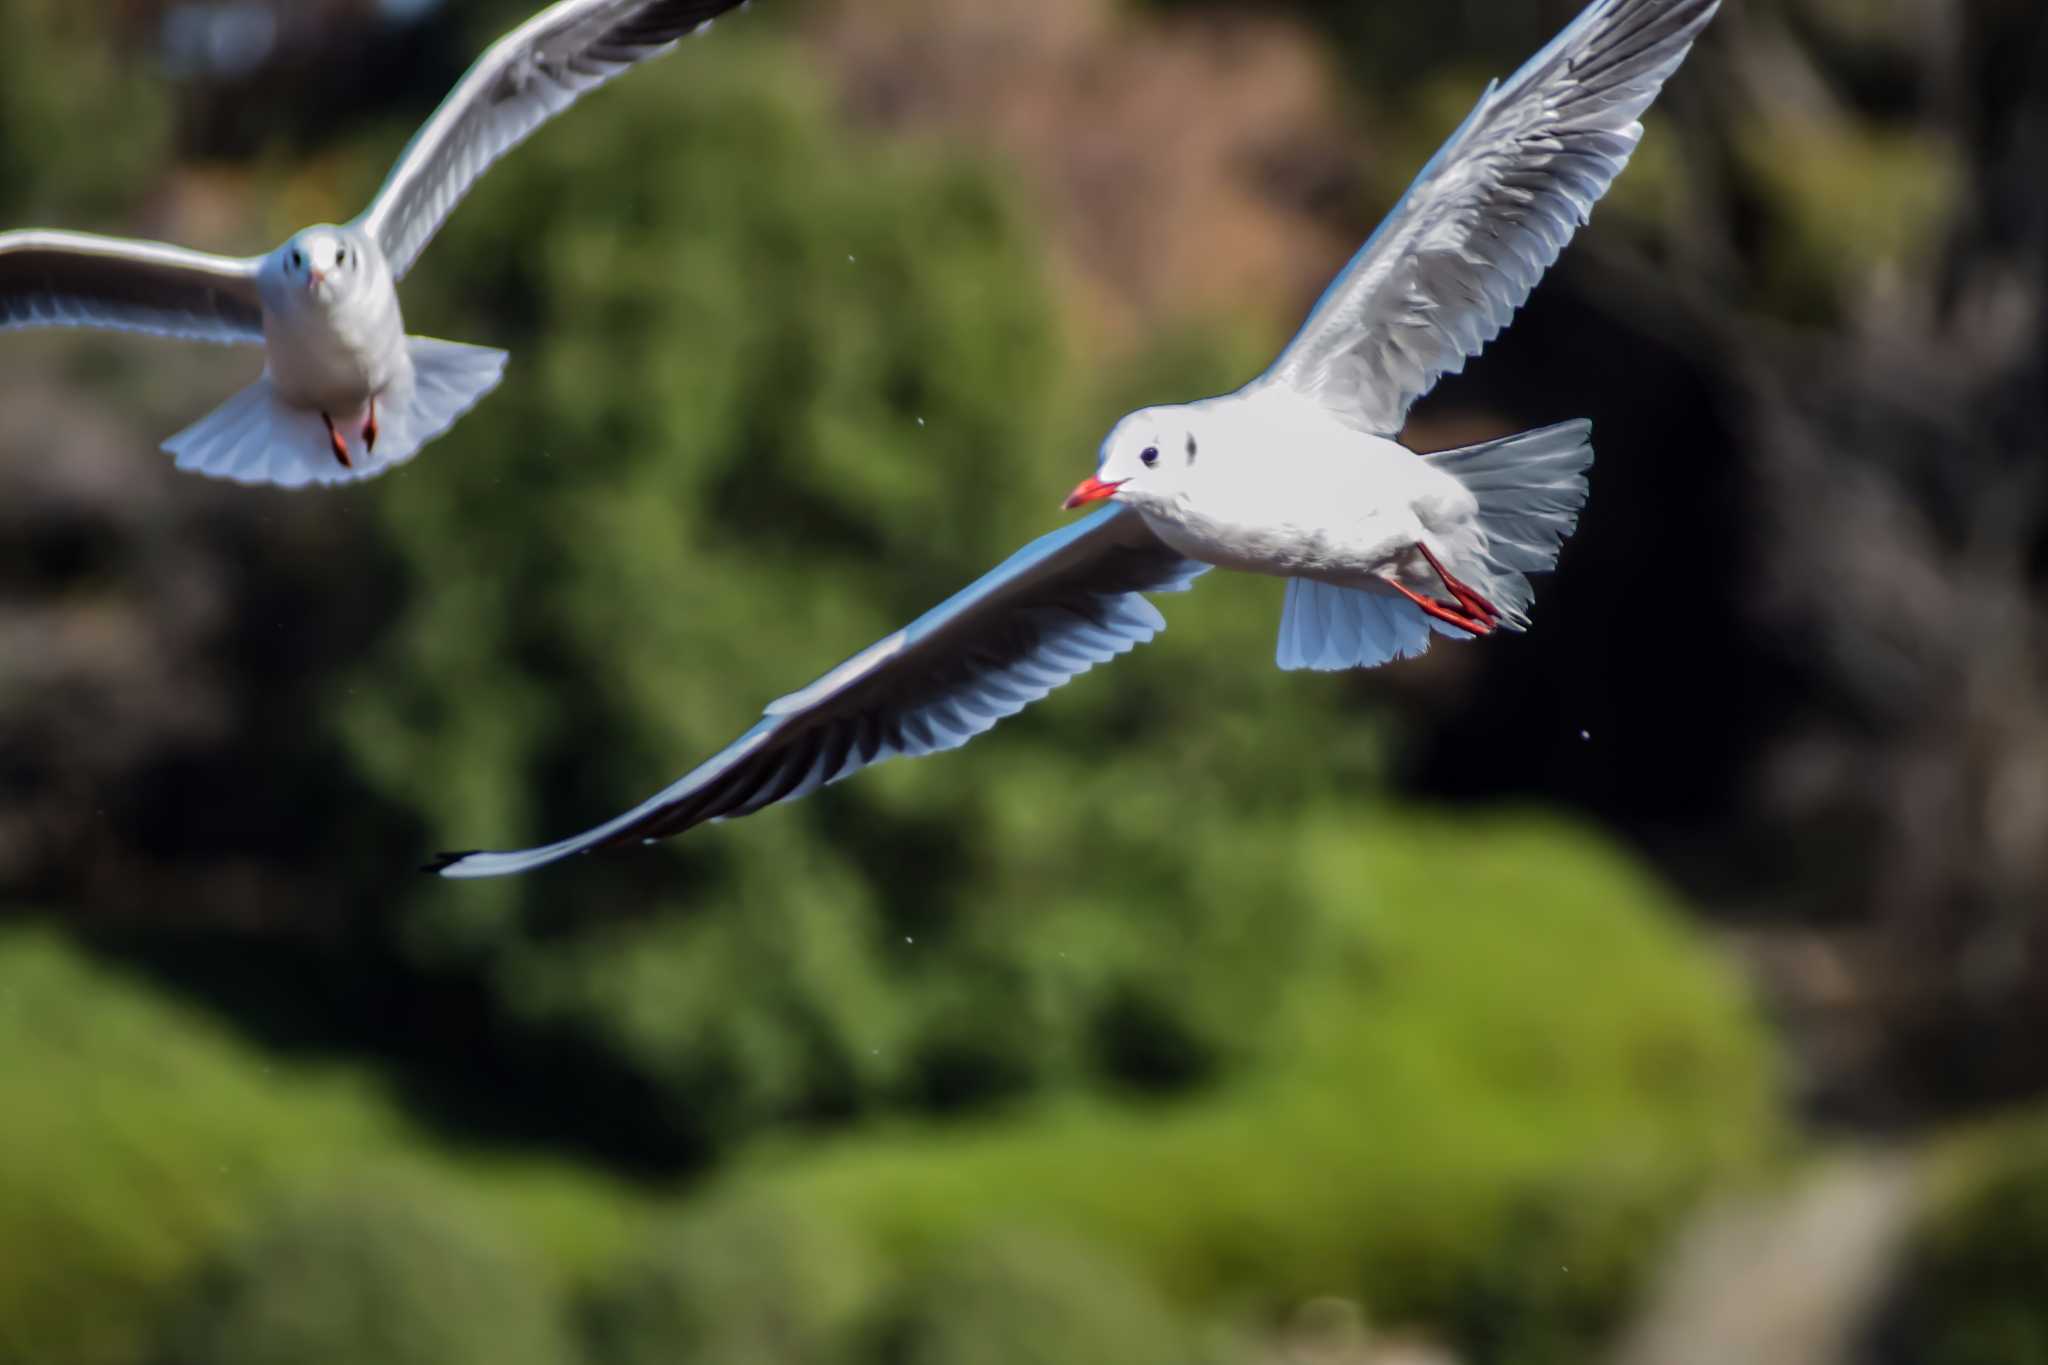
x: 257, y: 438
x: 1530, y: 489
x: 449, y: 378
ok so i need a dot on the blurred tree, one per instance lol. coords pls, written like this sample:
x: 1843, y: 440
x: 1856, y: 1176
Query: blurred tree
x: 369, y: 1270
x: 1976, y: 1291
x: 79, y: 135
x: 1807, y: 326
x: 1021, y: 1299
x: 778, y: 391
x: 1892, y: 456
x: 162, y: 634
x: 743, y: 1285
x: 777, y: 386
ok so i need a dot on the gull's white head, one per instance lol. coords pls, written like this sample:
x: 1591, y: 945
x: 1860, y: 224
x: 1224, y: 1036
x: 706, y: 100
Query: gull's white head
x: 324, y: 263
x: 1148, y: 457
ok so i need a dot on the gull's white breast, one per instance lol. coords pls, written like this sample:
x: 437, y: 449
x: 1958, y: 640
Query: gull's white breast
x: 335, y: 356
x: 1282, y: 488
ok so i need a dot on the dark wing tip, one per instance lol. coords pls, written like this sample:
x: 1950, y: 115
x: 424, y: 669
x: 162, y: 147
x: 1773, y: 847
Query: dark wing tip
x: 443, y: 861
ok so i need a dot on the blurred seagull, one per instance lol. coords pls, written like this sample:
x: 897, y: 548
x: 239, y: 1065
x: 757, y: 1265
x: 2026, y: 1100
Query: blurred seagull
x: 345, y: 393
x: 1296, y: 475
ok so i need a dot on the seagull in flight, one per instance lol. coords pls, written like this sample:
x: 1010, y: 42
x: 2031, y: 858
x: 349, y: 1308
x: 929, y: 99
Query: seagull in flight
x: 1297, y: 475
x: 345, y: 393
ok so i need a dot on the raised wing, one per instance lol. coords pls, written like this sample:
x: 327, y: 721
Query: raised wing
x: 1488, y: 215
x: 77, y: 279
x: 523, y: 80
x: 1055, y: 609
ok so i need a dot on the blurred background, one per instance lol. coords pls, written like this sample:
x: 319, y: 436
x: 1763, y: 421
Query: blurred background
x: 1667, y: 985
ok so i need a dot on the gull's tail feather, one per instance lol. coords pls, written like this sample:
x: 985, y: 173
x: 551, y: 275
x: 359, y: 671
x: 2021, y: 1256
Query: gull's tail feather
x: 448, y: 379
x: 1530, y: 488
x: 257, y: 438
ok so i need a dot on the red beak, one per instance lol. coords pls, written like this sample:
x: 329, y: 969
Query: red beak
x: 314, y: 278
x: 1091, y: 490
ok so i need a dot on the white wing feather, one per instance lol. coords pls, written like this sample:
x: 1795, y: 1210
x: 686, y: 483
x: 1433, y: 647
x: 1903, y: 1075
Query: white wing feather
x: 1489, y: 214
x: 523, y: 80
x: 79, y: 279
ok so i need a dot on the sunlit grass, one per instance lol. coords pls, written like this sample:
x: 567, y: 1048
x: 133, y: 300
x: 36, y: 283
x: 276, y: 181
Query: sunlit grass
x: 1502, y: 1065
x: 1508, y: 1043
x: 136, y: 1132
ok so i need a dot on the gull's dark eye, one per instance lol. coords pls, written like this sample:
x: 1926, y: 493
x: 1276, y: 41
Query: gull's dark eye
x: 296, y: 259
x: 1150, y: 456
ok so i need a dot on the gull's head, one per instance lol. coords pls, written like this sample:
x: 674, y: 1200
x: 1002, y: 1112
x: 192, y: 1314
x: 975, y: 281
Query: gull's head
x: 323, y: 262
x: 1147, y: 458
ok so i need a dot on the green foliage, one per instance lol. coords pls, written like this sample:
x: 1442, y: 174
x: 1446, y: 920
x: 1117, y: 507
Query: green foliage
x: 1981, y: 1271
x: 136, y: 1133
x: 741, y: 1285
x: 80, y: 134
x: 370, y: 1270
x: 776, y: 390
x: 751, y: 1283
x: 1464, y: 1072
x: 1019, y: 1299
x: 1451, y: 1123
x: 1900, y: 189
x: 1493, y: 1079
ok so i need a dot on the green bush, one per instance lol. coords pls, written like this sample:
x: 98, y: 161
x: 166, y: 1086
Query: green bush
x: 1019, y: 1299
x: 1498, y: 1070
x: 139, y: 1135
x: 1499, y: 1073
x: 743, y: 1285
x: 81, y: 133
x: 369, y: 1270
x: 1980, y: 1275
x: 775, y: 389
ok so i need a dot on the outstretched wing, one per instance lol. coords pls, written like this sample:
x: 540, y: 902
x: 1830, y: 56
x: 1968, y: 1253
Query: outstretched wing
x: 1055, y: 609
x: 523, y: 80
x: 79, y: 279
x: 1488, y: 215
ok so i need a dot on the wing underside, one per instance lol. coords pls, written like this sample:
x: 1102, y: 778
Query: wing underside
x: 76, y: 279
x: 1060, y: 606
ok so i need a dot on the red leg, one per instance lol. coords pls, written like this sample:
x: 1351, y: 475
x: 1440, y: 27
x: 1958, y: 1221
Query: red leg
x: 340, y: 446
x: 1471, y: 624
x: 370, y: 426
x: 1468, y: 599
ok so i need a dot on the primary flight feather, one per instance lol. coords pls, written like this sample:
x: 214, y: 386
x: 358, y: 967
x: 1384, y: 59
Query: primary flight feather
x: 1296, y: 475
x: 345, y: 394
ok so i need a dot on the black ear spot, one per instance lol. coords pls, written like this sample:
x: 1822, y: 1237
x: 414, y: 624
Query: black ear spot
x: 1191, y: 447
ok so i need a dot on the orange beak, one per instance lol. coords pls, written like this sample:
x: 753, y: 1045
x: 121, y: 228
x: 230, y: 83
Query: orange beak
x: 314, y: 279
x: 1091, y: 490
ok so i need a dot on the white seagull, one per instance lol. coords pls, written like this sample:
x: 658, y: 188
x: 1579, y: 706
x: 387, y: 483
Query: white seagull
x: 345, y: 393
x: 1296, y: 475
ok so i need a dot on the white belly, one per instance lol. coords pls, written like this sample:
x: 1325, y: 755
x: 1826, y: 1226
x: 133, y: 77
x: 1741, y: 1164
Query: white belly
x: 1351, y: 515
x: 335, y: 360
